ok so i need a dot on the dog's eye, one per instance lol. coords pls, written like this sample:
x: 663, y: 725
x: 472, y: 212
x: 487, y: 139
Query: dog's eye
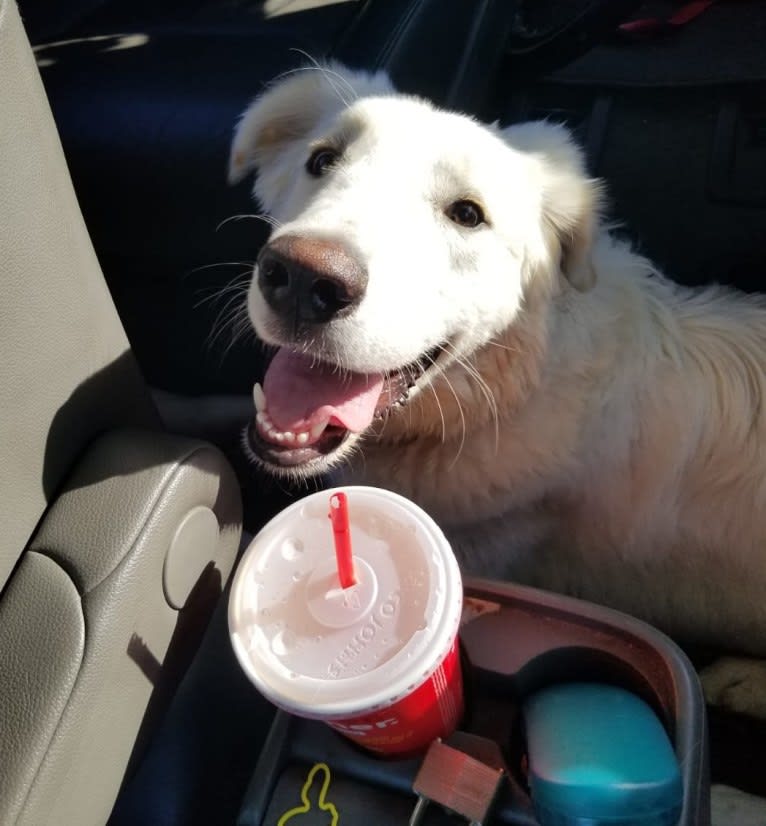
x: 465, y: 213
x: 320, y: 161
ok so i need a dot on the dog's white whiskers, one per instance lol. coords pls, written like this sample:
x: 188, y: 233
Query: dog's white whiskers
x: 485, y: 389
x: 233, y: 293
x: 222, y: 323
x: 221, y: 264
x: 346, y: 458
x: 248, y: 264
x: 238, y: 286
x: 258, y: 216
x: 240, y: 328
x: 462, y: 422
x: 233, y: 317
x: 328, y: 75
x: 502, y: 346
x: 441, y: 411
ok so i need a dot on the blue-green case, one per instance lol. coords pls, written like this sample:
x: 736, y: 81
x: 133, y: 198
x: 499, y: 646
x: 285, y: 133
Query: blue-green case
x: 599, y: 756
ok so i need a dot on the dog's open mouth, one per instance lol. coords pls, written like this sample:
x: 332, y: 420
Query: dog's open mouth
x: 307, y: 408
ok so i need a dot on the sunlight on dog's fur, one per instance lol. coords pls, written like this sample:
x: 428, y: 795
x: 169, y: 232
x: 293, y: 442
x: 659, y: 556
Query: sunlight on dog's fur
x: 455, y: 322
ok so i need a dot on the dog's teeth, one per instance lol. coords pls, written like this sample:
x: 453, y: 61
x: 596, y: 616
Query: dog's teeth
x: 259, y: 398
x: 288, y: 438
x: 317, y: 430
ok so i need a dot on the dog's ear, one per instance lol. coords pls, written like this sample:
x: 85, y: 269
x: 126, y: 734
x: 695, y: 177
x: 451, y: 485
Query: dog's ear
x: 571, y: 199
x: 292, y: 107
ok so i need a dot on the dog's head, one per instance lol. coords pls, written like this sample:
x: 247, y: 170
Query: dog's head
x: 406, y: 239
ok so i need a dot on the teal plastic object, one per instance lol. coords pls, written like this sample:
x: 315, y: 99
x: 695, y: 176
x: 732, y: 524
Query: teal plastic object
x: 599, y: 756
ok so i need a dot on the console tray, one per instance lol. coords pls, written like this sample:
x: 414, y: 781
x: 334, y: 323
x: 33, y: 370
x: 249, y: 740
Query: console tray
x: 518, y: 640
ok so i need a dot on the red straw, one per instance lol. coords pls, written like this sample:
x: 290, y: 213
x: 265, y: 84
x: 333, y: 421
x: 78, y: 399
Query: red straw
x: 342, y: 535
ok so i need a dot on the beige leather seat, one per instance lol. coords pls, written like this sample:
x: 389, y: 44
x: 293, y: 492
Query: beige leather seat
x: 115, y: 537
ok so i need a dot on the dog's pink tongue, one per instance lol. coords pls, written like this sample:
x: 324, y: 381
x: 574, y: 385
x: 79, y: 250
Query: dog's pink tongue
x: 301, y: 392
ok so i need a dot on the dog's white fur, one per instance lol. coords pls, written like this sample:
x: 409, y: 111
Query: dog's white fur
x: 597, y: 429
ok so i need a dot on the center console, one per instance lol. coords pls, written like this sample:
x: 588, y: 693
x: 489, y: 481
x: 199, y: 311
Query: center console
x: 517, y: 642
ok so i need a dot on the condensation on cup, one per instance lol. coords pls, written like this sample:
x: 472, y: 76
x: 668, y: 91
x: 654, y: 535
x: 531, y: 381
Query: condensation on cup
x: 378, y: 661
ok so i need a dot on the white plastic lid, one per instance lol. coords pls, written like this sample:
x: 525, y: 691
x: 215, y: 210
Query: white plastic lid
x: 320, y: 651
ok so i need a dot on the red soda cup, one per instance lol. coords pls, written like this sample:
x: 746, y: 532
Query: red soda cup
x: 377, y: 660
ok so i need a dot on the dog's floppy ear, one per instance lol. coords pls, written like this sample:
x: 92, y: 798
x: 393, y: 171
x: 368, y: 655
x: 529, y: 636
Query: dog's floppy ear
x: 292, y: 107
x: 571, y: 199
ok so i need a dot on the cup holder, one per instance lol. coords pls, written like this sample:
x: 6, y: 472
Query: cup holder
x: 524, y: 643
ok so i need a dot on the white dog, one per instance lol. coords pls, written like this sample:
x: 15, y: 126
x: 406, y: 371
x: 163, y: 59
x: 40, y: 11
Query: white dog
x: 455, y: 322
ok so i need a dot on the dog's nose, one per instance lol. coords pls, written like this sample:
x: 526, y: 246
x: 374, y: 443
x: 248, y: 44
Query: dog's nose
x: 308, y: 279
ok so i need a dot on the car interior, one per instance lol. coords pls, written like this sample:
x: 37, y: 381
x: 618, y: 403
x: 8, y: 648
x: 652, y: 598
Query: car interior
x: 128, y: 365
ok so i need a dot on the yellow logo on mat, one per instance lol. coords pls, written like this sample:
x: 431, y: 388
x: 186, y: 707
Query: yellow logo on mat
x: 305, y: 806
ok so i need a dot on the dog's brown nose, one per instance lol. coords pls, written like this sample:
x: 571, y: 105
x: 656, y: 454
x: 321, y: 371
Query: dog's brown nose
x: 312, y: 280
